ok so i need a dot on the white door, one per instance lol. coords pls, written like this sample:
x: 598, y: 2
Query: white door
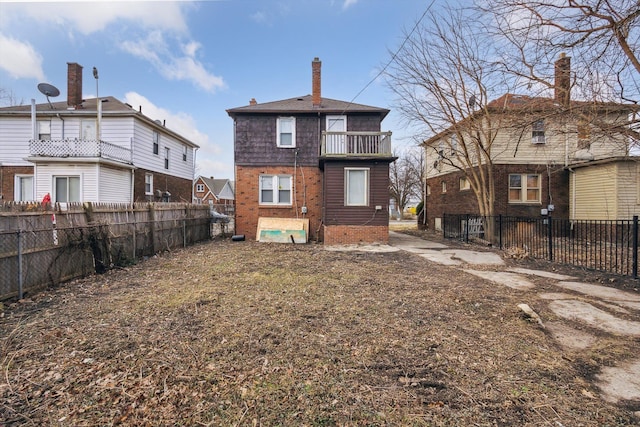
x: 336, y: 144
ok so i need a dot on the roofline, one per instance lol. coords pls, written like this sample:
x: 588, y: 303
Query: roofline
x: 604, y: 161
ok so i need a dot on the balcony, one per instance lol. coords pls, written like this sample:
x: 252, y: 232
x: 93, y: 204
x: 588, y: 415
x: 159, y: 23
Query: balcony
x: 65, y: 148
x: 356, y: 144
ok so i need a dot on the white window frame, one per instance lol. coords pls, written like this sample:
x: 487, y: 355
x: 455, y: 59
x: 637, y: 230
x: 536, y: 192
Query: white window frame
x: 18, y: 195
x: 184, y: 153
x: 88, y: 130
x: 44, y: 130
x: 167, y: 153
x: 148, y: 184
x: 276, y: 184
x: 464, y: 184
x: 199, y: 188
x: 347, y: 187
x: 156, y: 142
x: 444, y: 186
x: 538, y: 132
x: 67, y: 177
x: 523, y: 189
x: 293, y: 132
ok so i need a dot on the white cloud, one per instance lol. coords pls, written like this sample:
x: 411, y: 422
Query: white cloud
x: 91, y: 17
x: 348, y: 3
x: 181, y: 123
x: 20, y: 59
x: 184, y: 66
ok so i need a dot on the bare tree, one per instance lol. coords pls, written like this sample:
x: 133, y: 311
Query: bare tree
x: 443, y: 76
x: 405, y: 178
x: 601, y: 36
x: 8, y: 98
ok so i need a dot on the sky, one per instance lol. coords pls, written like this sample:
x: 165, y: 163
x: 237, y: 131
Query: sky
x: 187, y: 62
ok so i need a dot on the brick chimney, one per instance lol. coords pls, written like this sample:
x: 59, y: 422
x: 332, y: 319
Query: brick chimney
x: 253, y: 101
x: 74, y: 85
x: 316, y: 97
x: 562, y: 84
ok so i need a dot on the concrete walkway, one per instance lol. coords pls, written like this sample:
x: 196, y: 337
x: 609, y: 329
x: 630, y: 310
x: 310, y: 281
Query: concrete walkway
x: 594, y: 306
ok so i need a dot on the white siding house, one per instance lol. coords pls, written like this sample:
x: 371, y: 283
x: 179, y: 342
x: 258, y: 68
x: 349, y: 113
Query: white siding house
x: 65, y: 150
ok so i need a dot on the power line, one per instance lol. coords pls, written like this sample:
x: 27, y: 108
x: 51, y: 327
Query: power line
x: 393, y: 57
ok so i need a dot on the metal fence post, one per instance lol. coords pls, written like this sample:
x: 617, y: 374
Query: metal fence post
x: 20, y: 277
x: 550, y: 237
x: 635, y: 246
x: 466, y: 229
x: 500, y: 230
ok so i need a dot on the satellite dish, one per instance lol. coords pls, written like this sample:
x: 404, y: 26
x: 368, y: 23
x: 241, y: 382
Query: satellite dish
x: 48, y: 90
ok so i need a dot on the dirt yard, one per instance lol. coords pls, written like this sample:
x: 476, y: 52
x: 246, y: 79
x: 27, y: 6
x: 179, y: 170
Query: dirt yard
x: 248, y: 334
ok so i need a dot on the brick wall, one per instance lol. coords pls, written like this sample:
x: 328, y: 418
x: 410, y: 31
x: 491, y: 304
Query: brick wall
x: 179, y: 188
x: 350, y: 234
x: 308, y: 192
x: 8, y: 173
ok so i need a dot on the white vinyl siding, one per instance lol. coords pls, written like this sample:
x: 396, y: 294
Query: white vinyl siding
x: 12, y: 131
x: 114, y: 185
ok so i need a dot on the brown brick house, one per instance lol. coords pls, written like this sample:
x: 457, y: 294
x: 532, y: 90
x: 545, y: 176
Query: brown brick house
x: 536, y: 144
x: 313, y: 158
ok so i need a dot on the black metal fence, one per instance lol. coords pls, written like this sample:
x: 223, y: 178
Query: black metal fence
x: 47, y: 246
x: 609, y: 246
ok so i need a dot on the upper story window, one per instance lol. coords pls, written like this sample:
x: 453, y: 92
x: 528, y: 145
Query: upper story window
x: 156, y: 142
x: 537, y: 132
x: 200, y: 188
x: 88, y: 130
x: 454, y: 144
x: 166, y: 157
x: 275, y: 189
x: 356, y: 186
x: 524, y: 188
x: 286, y: 132
x: 184, y: 153
x: 44, y: 130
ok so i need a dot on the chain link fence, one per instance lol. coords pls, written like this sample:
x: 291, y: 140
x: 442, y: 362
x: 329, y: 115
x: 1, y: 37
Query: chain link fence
x: 45, y: 247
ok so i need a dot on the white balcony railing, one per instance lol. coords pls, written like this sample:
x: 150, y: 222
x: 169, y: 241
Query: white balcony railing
x: 365, y: 144
x: 79, y: 148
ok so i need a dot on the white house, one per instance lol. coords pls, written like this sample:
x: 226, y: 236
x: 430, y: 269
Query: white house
x: 85, y: 150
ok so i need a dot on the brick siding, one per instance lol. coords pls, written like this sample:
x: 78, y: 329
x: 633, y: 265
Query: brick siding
x: 179, y: 188
x: 351, y: 234
x: 8, y: 174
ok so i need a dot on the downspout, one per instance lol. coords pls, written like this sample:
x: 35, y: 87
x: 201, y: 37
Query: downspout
x: 34, y: 130
x: 573, y: 195
x: 61, y: 119
x: 193, y: 179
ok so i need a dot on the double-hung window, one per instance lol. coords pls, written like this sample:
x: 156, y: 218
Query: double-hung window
x: 537, y: 132
x: 166, y: 157
x: 184, y: 153
x: 23, y: 189
x: 67, y: 189
x: 148, y: 184
x: 88, y: 130
x: 356, y: 191
x: 286, y: 132
x: 44, y: 130
x: 275, y: 189
x: 199, y: 188
x: 156, y: 142
x: 524, y: 188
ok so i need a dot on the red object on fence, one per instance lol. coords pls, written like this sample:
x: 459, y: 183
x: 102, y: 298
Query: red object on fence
x: 46, y: 200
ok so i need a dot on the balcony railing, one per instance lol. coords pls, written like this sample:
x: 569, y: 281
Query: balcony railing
x: 356, y: 144
x: 79, y: 148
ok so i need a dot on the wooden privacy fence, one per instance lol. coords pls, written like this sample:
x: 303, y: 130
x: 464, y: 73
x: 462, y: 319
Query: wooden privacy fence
x: 610, y: 246
x: 47, y: 245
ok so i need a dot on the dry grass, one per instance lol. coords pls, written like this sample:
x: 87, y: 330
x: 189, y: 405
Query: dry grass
x: 248, y: 334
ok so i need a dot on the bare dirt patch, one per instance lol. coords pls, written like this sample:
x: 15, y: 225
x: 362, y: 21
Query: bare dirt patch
x: 248, y: 334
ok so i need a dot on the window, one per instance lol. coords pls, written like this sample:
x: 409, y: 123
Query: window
x: 44, y: 130
x: 23, y: 189
x: 148, y: 184
x: 440, y: 150
x: 537, y: 132
x: 286, y: 129
x: 67, y: 189
x: 184, y: 153
x: 200, y: 188
x: 356, y: 186
x: 454, y: 144
x: 166, y: 157
x: 275, y: 189
x: 88, y: 130
x: 524, y: 188
x: 336, y: 143
x: 444, y: 186
x: 156, y: 142
x: 464, y: 184
x: 428, y: 190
